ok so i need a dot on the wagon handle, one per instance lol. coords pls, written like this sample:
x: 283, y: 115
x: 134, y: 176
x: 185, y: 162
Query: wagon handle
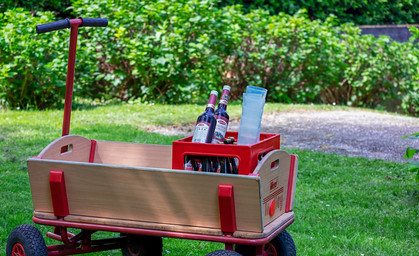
x: 74, y: 24
x: 57, y: 25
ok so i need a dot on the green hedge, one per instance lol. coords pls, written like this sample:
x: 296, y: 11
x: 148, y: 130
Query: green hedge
x: 32, y: 66
x: 354, y: 11
x: 176, y: 52
x: 57, y: 6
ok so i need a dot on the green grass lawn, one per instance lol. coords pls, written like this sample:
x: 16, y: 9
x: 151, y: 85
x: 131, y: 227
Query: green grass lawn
x: 344, y: 205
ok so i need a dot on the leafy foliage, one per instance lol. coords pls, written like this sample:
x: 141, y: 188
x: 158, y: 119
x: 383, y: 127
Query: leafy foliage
x: 410, y: 152
x: 175, y: 52
x: 31, y: 71
x: 33, y: 67
x: 58, y: 6
x: 354, y: 11
x: 163, y: 51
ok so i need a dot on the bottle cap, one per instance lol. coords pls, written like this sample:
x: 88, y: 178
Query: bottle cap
x: 212, y: 99
x: 227, y: 87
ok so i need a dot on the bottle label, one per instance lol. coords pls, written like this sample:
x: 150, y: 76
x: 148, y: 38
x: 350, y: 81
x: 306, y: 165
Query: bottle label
x: 224, y: 97
x: 188, y: 166
x: 201, y: 132
x: 220, y: 129
x: 210, y: 105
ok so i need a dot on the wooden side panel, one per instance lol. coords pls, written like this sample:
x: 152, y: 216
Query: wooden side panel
x: 274, y: 174
x: 133, y: 154
x: 79, y: 149
x: 147, y: 194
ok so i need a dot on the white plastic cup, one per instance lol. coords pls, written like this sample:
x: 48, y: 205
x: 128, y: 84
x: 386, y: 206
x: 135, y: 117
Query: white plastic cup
x: 252, y: 111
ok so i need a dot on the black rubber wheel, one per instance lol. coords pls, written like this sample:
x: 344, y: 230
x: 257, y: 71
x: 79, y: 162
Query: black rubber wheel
x: 26, y: 240
x: 143, y: 246
x: 281, y: 245
x: 223, y: 253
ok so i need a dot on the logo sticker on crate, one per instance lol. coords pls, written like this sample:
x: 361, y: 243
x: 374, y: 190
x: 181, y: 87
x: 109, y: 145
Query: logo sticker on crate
x: 275, y: 200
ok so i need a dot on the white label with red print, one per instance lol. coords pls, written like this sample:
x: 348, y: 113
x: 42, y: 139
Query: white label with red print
x: 201, y: 132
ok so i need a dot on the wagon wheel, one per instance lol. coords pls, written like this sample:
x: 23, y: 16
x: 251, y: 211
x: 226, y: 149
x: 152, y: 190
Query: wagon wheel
x: 281, y: 245
x: 142, y: 246
x: 26, y: 240
x: 223, y: 253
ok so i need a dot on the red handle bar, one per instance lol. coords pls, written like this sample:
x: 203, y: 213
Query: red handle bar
x: 85, y: 22
x: 74, y: 24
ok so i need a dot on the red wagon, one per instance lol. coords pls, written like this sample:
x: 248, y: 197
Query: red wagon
x: 141, y: 192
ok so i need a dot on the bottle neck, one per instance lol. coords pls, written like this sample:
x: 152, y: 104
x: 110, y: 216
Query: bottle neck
x: 211, y: 103
x: 209, y: 109
x: 224, y: 100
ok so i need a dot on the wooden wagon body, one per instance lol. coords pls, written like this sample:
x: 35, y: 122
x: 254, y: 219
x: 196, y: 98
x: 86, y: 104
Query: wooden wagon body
x: 133, y: 185
x: 134, y: 189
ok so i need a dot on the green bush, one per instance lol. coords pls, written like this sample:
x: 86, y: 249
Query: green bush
x: 410, y: 152
x: 58, y: 6
x: 159, y: 51
x: 354, y: 11
x: 33, y: 67
x: 169, y: 52
x: 31, y: 71
x: 177, y: 52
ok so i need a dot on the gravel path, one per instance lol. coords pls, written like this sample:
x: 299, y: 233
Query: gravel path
x: 353, y: 133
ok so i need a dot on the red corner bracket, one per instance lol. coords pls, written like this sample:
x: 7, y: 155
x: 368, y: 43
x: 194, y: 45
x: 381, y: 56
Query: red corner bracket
x: 227, y: 208
x: 291, y: 183
x: 58, y: 193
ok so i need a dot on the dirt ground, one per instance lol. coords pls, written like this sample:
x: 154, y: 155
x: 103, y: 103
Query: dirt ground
x: 352, y: 133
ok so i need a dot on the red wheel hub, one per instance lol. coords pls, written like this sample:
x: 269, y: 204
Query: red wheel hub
x: 18, y: 250
x: 270, y: 250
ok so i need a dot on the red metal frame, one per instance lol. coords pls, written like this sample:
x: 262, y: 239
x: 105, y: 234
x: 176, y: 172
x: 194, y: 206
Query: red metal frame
x: 81, y: 243
x: 18, y: 250
x: 227, y: 209
x: 58, y: 193
x: 74, y: 23
x: 288, y: 205
x: 92, y: 151
x: 161, y: 233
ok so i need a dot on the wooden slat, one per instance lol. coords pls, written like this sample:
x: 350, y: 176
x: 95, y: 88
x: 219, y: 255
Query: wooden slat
x: 268, y: 229
x: 147, y: 194
x: 45, y: 215
x: 144, y: 225
x: 274, y: 174
x: 79, y: 149
x: 133, y: 154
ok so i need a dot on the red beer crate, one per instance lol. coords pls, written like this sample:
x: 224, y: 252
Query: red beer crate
x: 248, y: 155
